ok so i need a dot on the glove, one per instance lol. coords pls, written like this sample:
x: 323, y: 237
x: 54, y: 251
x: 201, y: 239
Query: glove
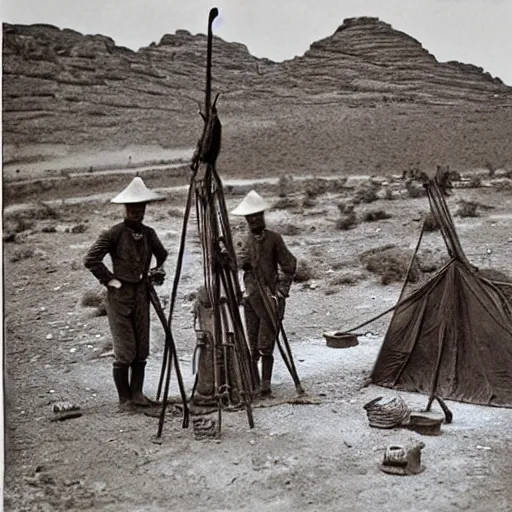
x: 157, y: 276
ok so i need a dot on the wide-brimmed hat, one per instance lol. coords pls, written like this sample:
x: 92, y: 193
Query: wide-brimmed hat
x: 252, y: 203
x: 136, y: 192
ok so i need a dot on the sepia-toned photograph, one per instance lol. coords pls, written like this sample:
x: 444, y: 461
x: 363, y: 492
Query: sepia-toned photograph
x: 257, y: 256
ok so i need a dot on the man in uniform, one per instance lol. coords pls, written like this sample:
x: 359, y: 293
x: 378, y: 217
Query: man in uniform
x: 268, y: 268
x: 131, y: 246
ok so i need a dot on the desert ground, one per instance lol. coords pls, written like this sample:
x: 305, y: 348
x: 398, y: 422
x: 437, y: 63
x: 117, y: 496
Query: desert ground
x: 321, y: 456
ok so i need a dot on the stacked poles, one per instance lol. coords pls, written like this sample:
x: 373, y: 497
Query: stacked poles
x: 220, y: 271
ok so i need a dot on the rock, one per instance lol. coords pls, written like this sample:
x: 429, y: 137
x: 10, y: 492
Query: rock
x: 88, y: 84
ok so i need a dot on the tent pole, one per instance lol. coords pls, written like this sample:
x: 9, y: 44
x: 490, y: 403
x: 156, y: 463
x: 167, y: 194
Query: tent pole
x: 437, y: 368
x: 416, y: 249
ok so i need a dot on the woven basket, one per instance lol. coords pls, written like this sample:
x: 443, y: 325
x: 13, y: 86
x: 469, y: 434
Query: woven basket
x: 387, y: 412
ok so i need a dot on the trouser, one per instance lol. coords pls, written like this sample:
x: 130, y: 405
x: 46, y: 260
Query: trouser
x: 128, y: 317
x: 262, y: 333
x: 261, y: 330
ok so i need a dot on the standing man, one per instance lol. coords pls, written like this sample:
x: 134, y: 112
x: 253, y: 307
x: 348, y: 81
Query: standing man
x: 268, y: 268
x: 131, y: 246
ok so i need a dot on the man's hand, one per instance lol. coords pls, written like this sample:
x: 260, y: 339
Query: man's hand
x: 157, y: 276
x: 114, y: 283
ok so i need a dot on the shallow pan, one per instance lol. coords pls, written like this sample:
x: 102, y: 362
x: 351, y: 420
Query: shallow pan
x: 336, y: 339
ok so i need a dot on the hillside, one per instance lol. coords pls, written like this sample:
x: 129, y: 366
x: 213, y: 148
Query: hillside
x: 60, y: 86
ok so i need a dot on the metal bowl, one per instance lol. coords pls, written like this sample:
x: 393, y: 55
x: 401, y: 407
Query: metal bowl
x: 336, y: 339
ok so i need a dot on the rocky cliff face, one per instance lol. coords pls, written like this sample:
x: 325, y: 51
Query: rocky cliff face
x: 60, y: 86
x: 366, y: 57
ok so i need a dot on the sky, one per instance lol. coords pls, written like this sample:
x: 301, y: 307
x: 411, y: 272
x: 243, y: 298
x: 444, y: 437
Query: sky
x: 477, y: 32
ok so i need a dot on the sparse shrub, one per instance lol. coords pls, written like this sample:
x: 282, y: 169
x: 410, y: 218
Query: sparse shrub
x: 284, y: 186
x: 467, y: 209
x: 289, y: 229
x: 95, y: 299
x: 391, y: 264
x: 415, y: 190
x: 304, y: 272
x: 346, y: 222
x: 388, y: 194
x: 375, y: 215
x: 77, y: 228
x: 175, y: 212
x: 430, y: 223
x: 366, y: 192
x: 475, y: 181
x: 338, y: 265
x: 22, y: 254
x: 316, y: 187
x: 286, y: 203
x: 345, y: 278
x: 500, y: 277
x: 346, y: 206
x: 9, y: 237
x: 309, y: 201
x: 503, y: 185
x: 23, y: 224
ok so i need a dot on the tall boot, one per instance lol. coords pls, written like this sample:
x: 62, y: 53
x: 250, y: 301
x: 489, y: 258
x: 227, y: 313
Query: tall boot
x: 267, y: 364
x: 137, y: 383
x: 120, y: 373
x: 255, y: 357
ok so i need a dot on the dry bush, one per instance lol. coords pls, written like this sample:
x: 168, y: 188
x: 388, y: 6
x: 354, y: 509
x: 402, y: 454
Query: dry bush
x: 77, y: 228
x: 346, y: 222
x: 304, y: 272
x: 95, y: 299
x: 308, y: 201
x: 475, y: 181
x: 345, y: 278
x: 285, y: 185
x: 467, y: 209
x: 315, y: 187
x: 346, y: 206
x: 42, y: 212
x: 338, y: 265
x: 289, y: 229
x: 23, y: 254
x: 286, y: 203
x: 415, y: 190
x: 430, y: 223
x: 175, y: 212
x: 375, y: 215
x: 49, y: 229
x: 431, y: 260
x: 391, y: 264
x: 23, y: 224
x: 499, y: 276
x: 366, y: 192
x: 502, y: 185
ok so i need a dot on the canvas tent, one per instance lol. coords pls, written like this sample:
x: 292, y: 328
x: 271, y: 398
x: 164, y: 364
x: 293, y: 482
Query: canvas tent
x: 453, y: 335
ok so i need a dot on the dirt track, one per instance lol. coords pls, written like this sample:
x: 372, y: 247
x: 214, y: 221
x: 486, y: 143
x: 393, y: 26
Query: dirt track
x: 298, y: 457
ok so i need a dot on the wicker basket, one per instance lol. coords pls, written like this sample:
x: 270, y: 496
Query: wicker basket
x: 387, y: 412
x: 340, y: 339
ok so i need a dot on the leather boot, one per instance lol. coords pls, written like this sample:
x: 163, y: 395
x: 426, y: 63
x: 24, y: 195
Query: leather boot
x: 267, y: 364
x: 120, y: 373
x: 137, y: 383
x: 255, y: 372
